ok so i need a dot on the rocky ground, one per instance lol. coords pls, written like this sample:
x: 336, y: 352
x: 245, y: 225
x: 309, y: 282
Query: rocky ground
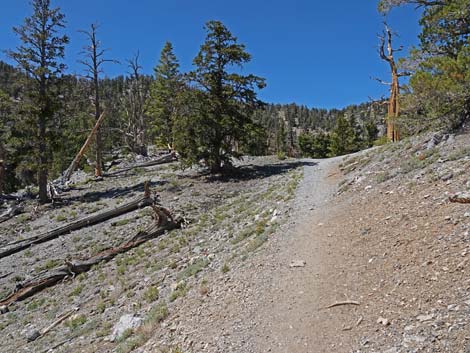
x: 228, y: 219
x: 358, y: 254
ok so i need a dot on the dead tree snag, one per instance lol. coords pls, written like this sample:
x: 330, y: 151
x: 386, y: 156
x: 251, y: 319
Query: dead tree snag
x: 393, y: 131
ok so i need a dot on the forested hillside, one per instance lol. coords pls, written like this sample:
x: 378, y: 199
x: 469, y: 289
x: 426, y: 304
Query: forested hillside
x: 289, y: 130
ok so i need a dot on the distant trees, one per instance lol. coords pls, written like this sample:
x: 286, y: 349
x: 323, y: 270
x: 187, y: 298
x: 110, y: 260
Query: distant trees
x: 221, y: 102
x: 162, y: 105
x: 39, y: 56
x: 314, y: 145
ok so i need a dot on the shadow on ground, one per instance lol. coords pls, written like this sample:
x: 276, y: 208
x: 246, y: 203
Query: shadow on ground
x: 253, y: 171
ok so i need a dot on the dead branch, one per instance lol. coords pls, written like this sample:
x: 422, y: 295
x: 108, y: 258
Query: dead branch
x: 164, y: 223
x: 348, y: 302
x: 460, y: 198
x: 58, y: 321
x: 68, y: 173
x: 162, y: 160
x: 15, y: 247
x: 11, y: 212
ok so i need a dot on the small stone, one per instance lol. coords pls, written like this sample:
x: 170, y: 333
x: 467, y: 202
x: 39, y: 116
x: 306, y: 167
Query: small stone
x: 32, y: 335
x: 423, y: 318
x: 383, y: 321
x: 447, y: 176
x: 4, y: 309
x: 368, y: 187
x: 297, y: 263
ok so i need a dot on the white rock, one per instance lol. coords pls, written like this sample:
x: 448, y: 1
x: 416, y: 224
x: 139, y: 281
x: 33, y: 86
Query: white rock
x: 383, y: 321
x: 298, y: 263
x: 423, y: 318
x: 126, y: 322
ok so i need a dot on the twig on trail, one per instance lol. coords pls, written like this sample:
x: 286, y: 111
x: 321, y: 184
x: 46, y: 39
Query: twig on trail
x: 348, y: 302
x: 460, y: 198
x: 359, y: 321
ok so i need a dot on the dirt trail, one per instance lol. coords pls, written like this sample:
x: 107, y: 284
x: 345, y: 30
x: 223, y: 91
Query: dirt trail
x: 266, y: 305
x: 293, y: 317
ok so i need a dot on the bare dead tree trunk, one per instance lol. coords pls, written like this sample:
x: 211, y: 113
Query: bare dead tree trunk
x: 2, y: 168
x: 137, y: 127
x: 393, y: 131
x: 78, y: 157
x: 93, y: 62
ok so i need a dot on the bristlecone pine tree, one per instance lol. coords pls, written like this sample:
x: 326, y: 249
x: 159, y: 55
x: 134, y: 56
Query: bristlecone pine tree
x: 162, y: 105
x: 440, y: 86
x: 39, y: 56
x: 221, y: 102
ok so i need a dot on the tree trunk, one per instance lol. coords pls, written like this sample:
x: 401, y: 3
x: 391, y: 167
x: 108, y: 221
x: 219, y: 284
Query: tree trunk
x: 78, y: 157
x: 42, y: 149
x: 29, y: 288
x: 2, y: 168
x: 21, y: 245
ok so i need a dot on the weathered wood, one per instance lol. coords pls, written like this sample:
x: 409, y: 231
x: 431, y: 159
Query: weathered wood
x: 393, y: 132
x: 16, y: 247
x: 68, y: 173
x: 11, y: 212
x: 162, y: 160
x: 460, y: 198
x: 164, y: 223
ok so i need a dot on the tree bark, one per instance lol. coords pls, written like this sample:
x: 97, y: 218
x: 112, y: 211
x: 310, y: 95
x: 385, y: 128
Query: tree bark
x: 70, y: 269
x: 393, y: 131
x: 2, y: 168
x: 162, y: 160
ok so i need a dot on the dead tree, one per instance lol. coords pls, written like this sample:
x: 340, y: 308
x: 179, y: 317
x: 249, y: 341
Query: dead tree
x: 135, y: 133
x: 164, y: 223
x: 78, y: 157
x: 93, y: 62
x: 168, y: 158
x: 393, y: 131
x: 2, y: 167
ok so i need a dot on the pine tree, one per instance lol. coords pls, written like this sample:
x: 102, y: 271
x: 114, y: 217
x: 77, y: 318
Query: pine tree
x: 39, y: 57
x: 344, y: 139
x: 229, y: 100
x: 162, y: 104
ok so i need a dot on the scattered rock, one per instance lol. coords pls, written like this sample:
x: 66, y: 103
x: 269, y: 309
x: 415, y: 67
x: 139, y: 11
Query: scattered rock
x: 423, y: 318
x: 297, y: 263
x: 32, y: 335
x: 383, y: 321
x: 126, y: 322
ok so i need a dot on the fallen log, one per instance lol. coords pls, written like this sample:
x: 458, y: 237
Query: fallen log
x: 11, y: 212
x: 17, y: 246
x: 162, y: 160
x: 460, y: 198
x: 164, y: 223
x: 68, y: 173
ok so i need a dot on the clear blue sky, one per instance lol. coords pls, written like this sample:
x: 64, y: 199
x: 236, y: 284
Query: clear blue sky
x: 317, y: 53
